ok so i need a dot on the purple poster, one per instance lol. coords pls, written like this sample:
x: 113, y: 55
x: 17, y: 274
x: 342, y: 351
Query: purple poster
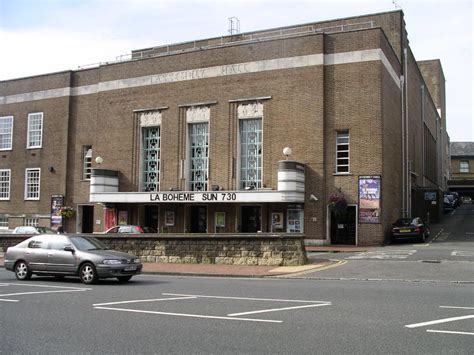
x: 369, y: 199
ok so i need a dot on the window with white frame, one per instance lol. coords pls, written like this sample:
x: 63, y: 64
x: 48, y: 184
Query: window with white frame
x: 198, y: 156
x: 6, y: 132
x: 32, y: 184
x: 3, y: 221
x: 250, y: 135
x: 342, y: 152
x: 464, y: 166
x: 151, y: 158
x: 35, y: 130
x: 5, y: 178
x: 86, y: 162
x: 30, y: 221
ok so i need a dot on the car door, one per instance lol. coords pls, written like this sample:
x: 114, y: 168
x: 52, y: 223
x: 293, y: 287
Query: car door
x: 60, y: 260
x: 36, y: 254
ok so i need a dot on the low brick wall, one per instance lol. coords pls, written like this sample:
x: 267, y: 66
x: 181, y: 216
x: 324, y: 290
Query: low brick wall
x: 226, y: 249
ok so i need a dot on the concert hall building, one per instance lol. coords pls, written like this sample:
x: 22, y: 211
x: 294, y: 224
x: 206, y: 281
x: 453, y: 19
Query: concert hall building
x: 331, y: 130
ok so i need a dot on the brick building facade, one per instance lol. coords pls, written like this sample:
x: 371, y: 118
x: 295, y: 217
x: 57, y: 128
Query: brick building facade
x: 191, y: 136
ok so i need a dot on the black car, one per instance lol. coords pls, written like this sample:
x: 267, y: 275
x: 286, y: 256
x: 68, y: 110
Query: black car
x: 410, y: 228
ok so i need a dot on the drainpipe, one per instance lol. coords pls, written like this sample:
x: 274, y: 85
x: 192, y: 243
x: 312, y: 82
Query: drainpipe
x: 407, y: 167
x: 402, y: 82
x: 423, y: 135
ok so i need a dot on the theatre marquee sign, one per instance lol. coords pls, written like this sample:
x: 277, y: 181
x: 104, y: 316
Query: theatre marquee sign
x: 197, y: 197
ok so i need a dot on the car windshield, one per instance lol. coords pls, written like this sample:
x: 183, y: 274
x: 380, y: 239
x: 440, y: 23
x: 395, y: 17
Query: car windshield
x: 87, y: 243
x: 405, y: 222
x: 45, y: 230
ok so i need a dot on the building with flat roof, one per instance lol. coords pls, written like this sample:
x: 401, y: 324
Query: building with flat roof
x: 331, y: 130
x: 462, y: 168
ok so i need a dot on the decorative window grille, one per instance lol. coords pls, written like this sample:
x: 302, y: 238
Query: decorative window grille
x: 199, y: 156
x: 5, y: 178
x: 464, y: 166
x: 151, y: 158
x: 35, y: 130
x: 3, y: 222
x: 250, y: 131
x: 6, y: 131
x: 87, y: 162
x: 342, y: 152
x: 32, y: 222
x: 32, y: 184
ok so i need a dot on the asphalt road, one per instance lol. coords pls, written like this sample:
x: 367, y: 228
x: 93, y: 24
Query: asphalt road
x: 401, y: 299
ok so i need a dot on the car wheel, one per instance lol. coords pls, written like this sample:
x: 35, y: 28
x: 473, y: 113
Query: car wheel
x: 22, y: 271
x: 87, y: 274
x: 123, y: 278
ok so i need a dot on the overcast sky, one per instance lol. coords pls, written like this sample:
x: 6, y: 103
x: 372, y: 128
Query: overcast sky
x: 43, y: 36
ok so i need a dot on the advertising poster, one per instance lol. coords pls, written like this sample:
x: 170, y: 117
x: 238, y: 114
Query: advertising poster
x: 57, y: 201
x: 277, y: 220
x: 169, y: 218
x: 123, y: 217
x: 369, y: 199
x: 220, y: 219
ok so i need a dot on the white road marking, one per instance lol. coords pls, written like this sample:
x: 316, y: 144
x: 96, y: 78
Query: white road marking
x: 435, y: 237
x: 245, y: 298
x: 50, y: 286
x: 385, y: 254
x: 190, y: 315
x: 438, y: 321
x: 38, y: 292
x: 462, y: 253
x: 138, y: 301
x: 448, y: 332
x: 277, y: 309
x: 7, y: 300
x: 456, y: 307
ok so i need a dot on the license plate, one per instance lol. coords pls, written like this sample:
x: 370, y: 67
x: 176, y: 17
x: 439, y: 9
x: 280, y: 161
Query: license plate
x: 129, y: 268
x: 405, y: 231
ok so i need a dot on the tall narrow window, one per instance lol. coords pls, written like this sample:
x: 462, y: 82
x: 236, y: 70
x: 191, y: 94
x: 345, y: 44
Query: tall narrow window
x: 151, y: 158
x: 250, y: 132
x: 86, y: 162
x: 342, y: 152
x: 464, y: 166
x: 33, y: 222
x: 3, y: 221
x: 6, y: 131
x: 35, y: 130
x: 198, y: 156
x: 32, y: 184
x: 5, y: 177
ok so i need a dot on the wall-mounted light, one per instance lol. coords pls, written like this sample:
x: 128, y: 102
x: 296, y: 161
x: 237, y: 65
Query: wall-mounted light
x: 99, y: 160
x: 287, y: 152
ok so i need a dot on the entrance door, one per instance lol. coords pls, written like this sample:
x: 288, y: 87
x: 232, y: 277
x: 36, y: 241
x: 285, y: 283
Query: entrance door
x: 151, y: 216
x: 343, y: 227
x: 87, y: 219
x: 251, y: 219
x: 198, y: 219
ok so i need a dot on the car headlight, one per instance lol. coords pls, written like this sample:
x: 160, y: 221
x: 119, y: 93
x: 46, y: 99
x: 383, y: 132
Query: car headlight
x: 136, y: 261
x: 111, y: 262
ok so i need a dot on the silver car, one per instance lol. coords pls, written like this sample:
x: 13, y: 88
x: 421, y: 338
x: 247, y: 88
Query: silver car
x: 73, y: 255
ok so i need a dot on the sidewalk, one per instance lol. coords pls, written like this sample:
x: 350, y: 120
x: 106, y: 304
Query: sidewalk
x: 229, y: 270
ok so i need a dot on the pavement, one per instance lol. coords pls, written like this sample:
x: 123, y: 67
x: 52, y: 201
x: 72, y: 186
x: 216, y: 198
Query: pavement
x: 246, y: 270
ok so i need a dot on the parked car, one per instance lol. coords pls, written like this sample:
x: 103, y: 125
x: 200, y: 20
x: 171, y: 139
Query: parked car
x: 33, y: 230
x: 467, y: 200
x: 449, y: 202
x: 410, y: 228
x: 130, y: 229
x: 74, y: 255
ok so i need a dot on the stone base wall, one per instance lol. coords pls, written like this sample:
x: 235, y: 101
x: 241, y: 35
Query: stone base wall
x: 276, y: 250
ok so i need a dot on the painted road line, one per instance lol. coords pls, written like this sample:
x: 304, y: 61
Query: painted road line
x: 456, y: 307
x: 38, y: 292
x: 436, y: 236
x: 50, y: 286
x: 7, y: 300
x: 438, y: 321
x: 462, y: 253
x: 189, y: 315
x: 150, y: 300
x: 277, y: 309
x: 289, y: 276
x: 245, y: 298
x: 448, y: 332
